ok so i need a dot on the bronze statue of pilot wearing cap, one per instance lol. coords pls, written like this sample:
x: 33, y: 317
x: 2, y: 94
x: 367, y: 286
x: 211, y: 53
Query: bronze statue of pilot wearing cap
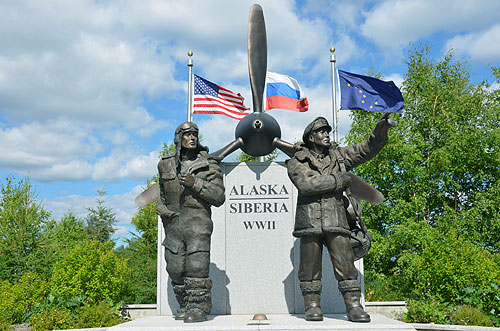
x: 190, y: 182
x: 320, y: 218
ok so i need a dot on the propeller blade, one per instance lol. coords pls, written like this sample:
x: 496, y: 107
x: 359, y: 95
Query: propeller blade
x: 364, y: 191
x: 284, y: 146
x: 228, y: 149
x: 150, y: 195
x: 257, y: 55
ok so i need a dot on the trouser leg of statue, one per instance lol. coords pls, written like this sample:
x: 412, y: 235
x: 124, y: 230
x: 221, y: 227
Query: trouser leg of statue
x: 310, y: 274
x: 311, y: 248
x: 346, y: 274
x: 175, y: 259
x: 189, y: 274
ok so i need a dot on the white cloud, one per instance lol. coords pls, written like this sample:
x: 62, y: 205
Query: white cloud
x: 98, y: 82
x: 393, y: 24
x: 71, y: 171
x: 140, y: 168
x: 60, y: 150
x: 36, y: 146
x: 483, y: 46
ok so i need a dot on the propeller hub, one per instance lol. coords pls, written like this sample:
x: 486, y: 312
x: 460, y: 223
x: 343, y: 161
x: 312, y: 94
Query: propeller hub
x: 258, y: 131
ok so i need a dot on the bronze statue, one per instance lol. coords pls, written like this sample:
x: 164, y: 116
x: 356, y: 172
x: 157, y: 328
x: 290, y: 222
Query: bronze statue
x: 320, y: 218
x: 190, y: 182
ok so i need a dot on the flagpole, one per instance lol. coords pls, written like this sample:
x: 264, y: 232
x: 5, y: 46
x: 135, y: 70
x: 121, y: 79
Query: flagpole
x: 334, y: 96
x: 190, y: 88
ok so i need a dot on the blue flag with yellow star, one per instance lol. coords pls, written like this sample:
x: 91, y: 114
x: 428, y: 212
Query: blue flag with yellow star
x: 368, y: 93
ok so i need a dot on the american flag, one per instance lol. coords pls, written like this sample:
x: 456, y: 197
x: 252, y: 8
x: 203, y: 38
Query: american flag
x: 210, y: 98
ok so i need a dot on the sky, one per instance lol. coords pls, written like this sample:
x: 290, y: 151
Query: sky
x: 90, y: 90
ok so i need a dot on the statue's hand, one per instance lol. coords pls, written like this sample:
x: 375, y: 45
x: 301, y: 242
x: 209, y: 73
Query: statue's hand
x: 383, y: 125
x: 187, y: 180
x: 161, y: 209
x: 343, y: 180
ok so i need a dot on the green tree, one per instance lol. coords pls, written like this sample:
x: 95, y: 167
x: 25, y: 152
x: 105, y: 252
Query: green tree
x: 438, y: 230
x: 57, y: 239
x: 439, y: 169
x: 100, y: 220
x: 22, y: 219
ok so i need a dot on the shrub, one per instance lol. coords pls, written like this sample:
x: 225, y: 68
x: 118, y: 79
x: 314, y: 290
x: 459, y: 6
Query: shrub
x: 54, y: 300
x: 468, y: 315
x: 53, y: 318
x: 487, y: 297
x: 426, y: 312
x: 18, y: 299
x: 443, y: 267
x: 380, y: 288
x: 97, y: 316
x: 4, y: 325
x: 91, y: 269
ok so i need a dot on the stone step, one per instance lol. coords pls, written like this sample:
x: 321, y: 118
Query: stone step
x: 336, y: 322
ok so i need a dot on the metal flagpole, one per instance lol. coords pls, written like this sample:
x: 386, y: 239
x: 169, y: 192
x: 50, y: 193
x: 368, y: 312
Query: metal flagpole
x: 190, y: 88
x: 334, y: 96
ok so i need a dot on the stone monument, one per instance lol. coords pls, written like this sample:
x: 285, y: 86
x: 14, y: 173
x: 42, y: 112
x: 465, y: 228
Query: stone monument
x: 254, y: 257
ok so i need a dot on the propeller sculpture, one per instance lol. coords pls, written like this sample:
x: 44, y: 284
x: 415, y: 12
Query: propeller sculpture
x: 258, y: 133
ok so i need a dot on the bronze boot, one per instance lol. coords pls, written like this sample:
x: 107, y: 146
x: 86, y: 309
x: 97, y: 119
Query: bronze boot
x: 180, y: 295
x: 312, y: 300
x: 355, y: 312
x: 199, y: 300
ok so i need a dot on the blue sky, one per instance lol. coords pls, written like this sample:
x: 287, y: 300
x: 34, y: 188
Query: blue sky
x: 90, y: 90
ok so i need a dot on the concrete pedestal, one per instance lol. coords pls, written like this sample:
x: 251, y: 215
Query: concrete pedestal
x: 254, y: 257
x: 274, y: 322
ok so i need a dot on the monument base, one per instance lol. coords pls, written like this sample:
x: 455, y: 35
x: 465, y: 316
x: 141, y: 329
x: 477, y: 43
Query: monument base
x: 275, y: 322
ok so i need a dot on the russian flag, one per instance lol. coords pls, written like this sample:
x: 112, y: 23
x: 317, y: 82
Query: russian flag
x: 285, y: 93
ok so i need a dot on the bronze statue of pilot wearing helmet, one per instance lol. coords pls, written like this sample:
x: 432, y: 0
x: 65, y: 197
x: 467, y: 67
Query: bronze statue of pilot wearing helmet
x: 318, y: 170
x: 190, y: 182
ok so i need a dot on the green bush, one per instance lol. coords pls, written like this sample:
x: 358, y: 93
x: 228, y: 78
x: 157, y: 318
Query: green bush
x: 18, y: 299
x: 444, y: 266
x: 380, y: 288
x: 487, y: 297
x: 4, y: 325
x: 97, y: 316
x: 54, y: 300
x: 426, y: 312
x: 468, y: 315
x: 91, y: 269
x: 54, y: 318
